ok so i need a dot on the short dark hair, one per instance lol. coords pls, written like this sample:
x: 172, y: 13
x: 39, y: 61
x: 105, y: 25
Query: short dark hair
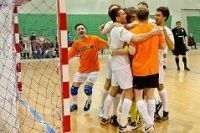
x: 129, y: 11
x: 113, y: 5
x: 142, y: 14
x: 143, y: 3
x: 165, y: 11
x: 177, y: 22
x: 114, y: 13
x: 78, y: 25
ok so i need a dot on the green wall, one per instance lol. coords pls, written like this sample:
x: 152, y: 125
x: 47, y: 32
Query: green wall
x: 46, y: 24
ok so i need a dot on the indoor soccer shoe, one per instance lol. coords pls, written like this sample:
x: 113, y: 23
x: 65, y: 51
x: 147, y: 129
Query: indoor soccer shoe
x: 148, y: 129
x: 186, y: 69
x: 113, y: 120
x: 157, y: 118
x: 104, y: 121
x: 127, y: 128
x: 87, y: 105
x: 165, y: 116
x: 73, y: 107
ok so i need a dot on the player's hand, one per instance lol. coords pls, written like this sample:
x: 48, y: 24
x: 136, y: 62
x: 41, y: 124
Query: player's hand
x: 157, y: 30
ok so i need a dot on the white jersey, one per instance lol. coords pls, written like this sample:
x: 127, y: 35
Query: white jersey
x: 164, y: 51
x: 119, y: 36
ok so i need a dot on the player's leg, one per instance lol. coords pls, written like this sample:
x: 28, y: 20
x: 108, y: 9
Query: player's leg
x: 88, y: 89
x: 78, y: 79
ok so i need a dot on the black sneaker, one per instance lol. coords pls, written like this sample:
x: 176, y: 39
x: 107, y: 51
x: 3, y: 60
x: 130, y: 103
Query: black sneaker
x: 164, y: 67
x: 158, y: 106
x: 104, y: 121
x: 165, y: 116
x: 157, y: 118
x: 186, y: 69
x: 113, y: 120
x: 87, y: 105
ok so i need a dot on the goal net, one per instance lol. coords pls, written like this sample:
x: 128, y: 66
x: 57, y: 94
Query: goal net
x: 33, y: 26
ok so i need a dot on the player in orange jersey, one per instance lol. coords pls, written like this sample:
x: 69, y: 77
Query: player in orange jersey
x: 145, y: 68
x: 87, y: 47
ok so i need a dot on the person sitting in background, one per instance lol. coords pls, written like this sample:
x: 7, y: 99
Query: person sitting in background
x: 191, y: 42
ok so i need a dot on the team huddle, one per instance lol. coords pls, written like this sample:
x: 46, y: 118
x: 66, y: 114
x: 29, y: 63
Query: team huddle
x: 134, y: 67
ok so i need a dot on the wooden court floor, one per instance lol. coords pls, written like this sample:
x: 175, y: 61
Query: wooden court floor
x: 44, y: 96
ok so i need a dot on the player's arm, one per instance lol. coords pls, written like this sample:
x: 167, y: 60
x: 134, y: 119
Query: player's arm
x: 130, y: 25
x: 122, y: 51
x: 72, y: 52
x: 162, y: 44
x: 105, y: 29
x: 100, y: 43
x: 169, y: 39
x: 145, y: 36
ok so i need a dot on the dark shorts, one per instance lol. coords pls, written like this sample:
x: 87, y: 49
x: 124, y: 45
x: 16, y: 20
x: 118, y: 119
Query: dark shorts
x: 181, y: 50
x: 142, y: 82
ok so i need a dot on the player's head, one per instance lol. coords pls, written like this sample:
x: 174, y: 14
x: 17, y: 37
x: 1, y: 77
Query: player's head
x: 143, y: 5
x: 113, y: 6
x: 80, y: 29
x: 142, y: 14
x: 162, y: 14
x: 178, y: 24
x: 118, y: 15
x: 130, y: 14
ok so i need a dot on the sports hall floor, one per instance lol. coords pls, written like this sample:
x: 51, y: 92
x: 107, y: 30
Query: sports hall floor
x: 183, y: 91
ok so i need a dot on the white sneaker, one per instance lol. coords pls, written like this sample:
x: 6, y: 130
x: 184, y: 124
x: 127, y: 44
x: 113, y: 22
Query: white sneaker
x: 127, y: 128
x: 148, y: 129
x: 101, y: 112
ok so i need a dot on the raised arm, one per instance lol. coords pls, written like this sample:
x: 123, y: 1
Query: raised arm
x: 106, y: 28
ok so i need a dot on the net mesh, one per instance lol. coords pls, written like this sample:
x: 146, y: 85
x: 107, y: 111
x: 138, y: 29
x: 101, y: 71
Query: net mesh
x: 39, y: 107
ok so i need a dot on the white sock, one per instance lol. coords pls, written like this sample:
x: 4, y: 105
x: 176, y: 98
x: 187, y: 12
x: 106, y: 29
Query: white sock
x: 107, y: 104
x: 74, y: 99
x: 143, y: 111
x: 122, y: 100
x: 151, y: 108
x: 126, y: 106
x: 104, y: 95
x: 163, y: 97
x: 115, y: 103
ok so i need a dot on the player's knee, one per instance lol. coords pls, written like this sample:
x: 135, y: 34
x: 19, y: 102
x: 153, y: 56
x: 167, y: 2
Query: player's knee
x: 74, y: 90
x: 88, y: 90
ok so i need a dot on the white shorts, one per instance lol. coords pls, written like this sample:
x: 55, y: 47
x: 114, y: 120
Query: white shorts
x: 161, y: 73
x: 122, y: 77
x: 108, y: 69
x: 83, y: 77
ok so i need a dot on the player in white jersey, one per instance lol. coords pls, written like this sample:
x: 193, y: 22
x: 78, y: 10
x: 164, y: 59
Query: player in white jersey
x: 105, y: 29
x: 120, y: 65
x: 162, y: 14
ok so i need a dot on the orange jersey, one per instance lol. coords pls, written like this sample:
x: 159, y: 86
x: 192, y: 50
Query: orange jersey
x: 145, y: 60
x: 87, y: 49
